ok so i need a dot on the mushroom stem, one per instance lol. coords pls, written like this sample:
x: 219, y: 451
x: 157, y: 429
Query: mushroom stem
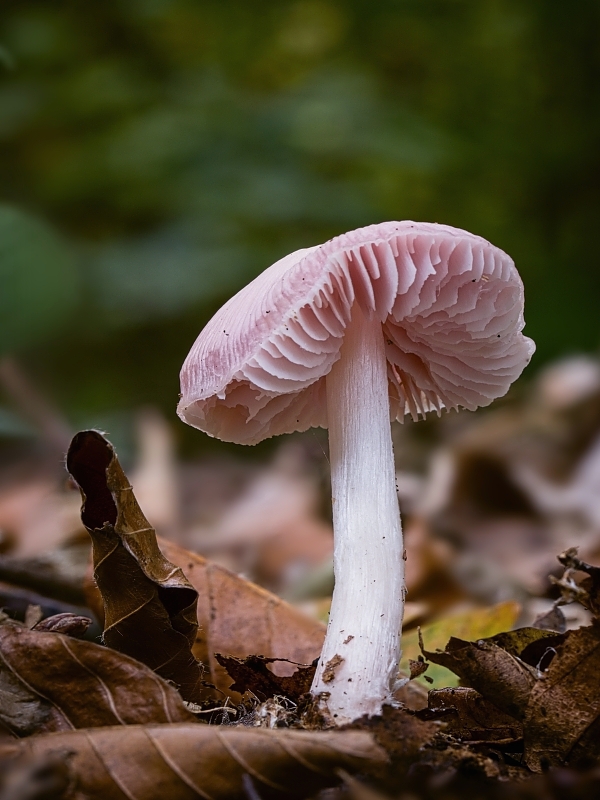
x: 359, y: 661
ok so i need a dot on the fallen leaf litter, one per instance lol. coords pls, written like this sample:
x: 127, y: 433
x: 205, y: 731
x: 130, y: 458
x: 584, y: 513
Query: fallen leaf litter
x: 517, y: 701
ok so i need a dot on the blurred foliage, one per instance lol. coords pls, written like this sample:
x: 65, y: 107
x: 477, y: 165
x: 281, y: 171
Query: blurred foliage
x: 180, y: 146
x: 38, y: 278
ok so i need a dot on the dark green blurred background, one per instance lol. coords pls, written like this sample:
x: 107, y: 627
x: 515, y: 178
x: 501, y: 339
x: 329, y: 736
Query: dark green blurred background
x: 157, y: 154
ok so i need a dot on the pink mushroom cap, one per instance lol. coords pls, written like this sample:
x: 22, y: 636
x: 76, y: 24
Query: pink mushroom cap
x: 449, y: 302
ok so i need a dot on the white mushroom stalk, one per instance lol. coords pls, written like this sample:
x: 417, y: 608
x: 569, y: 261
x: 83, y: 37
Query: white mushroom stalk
x: 392, y: 319
x: 362, y: 646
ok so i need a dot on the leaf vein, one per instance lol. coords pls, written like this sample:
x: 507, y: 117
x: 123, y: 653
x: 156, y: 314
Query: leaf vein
x: 176, y: 768
x: 243, y: 763
x: 104, y: 688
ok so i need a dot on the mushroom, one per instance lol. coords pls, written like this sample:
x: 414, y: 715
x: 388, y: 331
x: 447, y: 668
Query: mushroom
x: 391, y: 319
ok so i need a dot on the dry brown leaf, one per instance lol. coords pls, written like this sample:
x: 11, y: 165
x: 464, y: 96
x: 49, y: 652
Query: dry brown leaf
x: 548, y: 681
x: 471, y: 718
x: 418, y: 667
x: 149, y: 605
x: 402, y: 735
x: 562, y: 720
x: 473, y: 623
x: 493, y: 671
x: 252, y: 674
x: 208, y: 761
x: 74, y: 625
x: 52, y: 682
x: 238, y: 618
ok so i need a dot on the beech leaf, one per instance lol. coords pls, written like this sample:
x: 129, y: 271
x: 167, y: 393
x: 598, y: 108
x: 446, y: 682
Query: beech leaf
x: 562, y: 719
x: 253, y: 674
x: 70, y: 624
x: 548, y: 681
x: 493, y: 671
x: 471, y: 718
x: 202, y: 761
x: 149, y: 605
x: 52, y: 682
x: 238, y: 618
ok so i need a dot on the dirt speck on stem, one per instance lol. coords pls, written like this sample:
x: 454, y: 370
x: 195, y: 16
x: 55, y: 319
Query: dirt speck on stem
x: 331, y: 666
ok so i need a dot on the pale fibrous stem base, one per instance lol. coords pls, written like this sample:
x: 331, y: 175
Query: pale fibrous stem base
x: 362, y: 646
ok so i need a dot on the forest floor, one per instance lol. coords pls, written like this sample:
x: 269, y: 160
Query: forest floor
x: 141, y: 666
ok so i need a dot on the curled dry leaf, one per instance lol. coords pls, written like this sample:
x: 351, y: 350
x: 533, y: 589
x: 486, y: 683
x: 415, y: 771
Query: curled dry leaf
x: 203, y: 761
x: 74, y: 625
x: 253, y: 674
x: 548, y: 681
x: 418, y: 667
x: 149, y: 605
x: 51, y: 682
x: 234, y: 616
x: 562, y: 719
x: 491, y: 670
x: 475, y: 623
x: 239, y: 618
x: 471, y: 718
